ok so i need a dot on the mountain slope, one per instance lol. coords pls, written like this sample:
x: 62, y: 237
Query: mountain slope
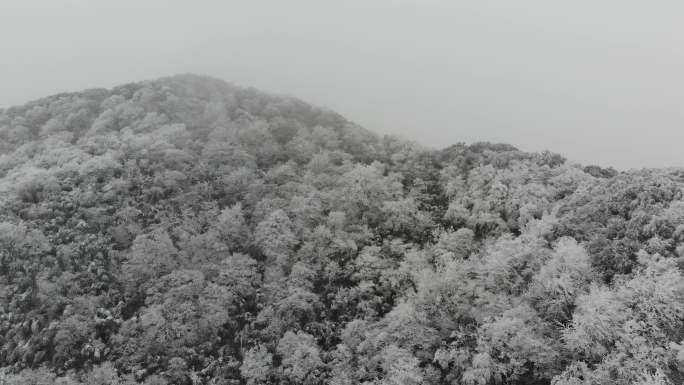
x: 188, y: 231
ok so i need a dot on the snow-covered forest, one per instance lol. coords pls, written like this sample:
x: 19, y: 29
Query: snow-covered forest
x: 189, y: 231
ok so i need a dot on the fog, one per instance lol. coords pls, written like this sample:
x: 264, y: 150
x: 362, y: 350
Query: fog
x: 598, y: 81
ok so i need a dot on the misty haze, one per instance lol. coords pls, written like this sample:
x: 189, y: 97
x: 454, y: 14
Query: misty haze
x: 380, y: 192
x: 599, y: 81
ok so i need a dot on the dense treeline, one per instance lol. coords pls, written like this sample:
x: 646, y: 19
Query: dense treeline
x: 187, y: 231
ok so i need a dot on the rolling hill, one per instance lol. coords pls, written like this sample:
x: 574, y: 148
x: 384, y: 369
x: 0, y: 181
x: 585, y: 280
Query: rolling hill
x: 189, y: 231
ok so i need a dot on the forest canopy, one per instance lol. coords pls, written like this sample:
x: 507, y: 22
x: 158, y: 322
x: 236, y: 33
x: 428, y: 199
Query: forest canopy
x: 189, y: 231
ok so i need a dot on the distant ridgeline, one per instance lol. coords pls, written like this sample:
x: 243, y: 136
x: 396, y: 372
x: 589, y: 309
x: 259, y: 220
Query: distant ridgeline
x: 188, y: 231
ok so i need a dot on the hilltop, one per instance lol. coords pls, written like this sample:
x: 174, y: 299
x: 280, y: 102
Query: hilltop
x: 189, y: 231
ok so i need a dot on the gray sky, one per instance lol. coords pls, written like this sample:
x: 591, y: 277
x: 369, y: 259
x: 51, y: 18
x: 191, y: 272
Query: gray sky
x: 600, y: 81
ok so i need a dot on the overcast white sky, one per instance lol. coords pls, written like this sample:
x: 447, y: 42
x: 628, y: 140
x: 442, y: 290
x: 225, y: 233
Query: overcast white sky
x: 599, y: 81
